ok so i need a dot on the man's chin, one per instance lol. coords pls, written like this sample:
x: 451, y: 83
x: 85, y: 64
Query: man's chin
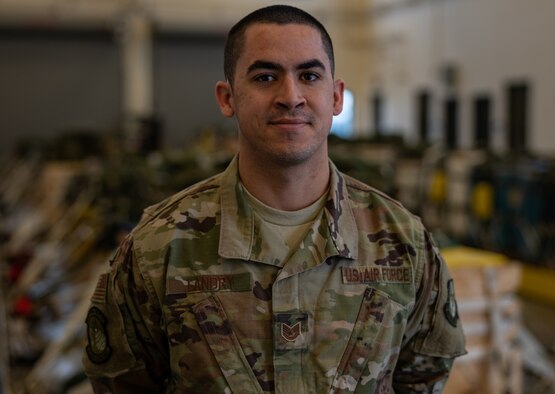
x: 291, y: 158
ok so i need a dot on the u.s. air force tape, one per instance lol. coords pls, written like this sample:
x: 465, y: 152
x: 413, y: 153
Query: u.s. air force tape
x: 376, y: 274
x: 98, y: 347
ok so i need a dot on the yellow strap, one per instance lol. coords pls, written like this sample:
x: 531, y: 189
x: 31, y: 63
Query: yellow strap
x: 482, y: 200
x: 438, y: 186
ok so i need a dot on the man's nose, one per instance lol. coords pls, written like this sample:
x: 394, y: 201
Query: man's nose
x: 290, y: 94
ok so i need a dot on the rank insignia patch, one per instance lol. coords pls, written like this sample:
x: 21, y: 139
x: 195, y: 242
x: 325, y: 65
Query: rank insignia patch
x: 291, y: 331
x: 290, y: 334
x: 450, y: 307
x: 98, y: 348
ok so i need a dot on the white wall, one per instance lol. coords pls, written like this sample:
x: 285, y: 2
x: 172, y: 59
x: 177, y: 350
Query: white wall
x: 350, y: 28
x: 492, y: 42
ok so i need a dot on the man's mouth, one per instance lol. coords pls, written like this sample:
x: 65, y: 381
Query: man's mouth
x: 289, y: 122
x: 289, y: 125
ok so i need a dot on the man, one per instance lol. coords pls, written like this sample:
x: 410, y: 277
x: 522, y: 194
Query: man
x: 281, y: 274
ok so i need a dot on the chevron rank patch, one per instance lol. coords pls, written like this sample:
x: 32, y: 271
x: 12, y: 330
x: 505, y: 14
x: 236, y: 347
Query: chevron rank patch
x: 291, y: 330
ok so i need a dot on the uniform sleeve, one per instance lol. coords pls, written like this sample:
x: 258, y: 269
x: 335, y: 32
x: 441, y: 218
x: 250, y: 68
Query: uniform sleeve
x: 434, y: 336
x: 125, y: 349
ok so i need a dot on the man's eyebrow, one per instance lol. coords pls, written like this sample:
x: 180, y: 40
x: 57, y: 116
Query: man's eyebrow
x: 267, y: 65
x: 314, y: 63
x: 263, y: 64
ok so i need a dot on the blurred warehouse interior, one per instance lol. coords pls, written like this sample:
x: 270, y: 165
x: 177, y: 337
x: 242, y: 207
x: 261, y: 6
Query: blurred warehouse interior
x: 107, y: 106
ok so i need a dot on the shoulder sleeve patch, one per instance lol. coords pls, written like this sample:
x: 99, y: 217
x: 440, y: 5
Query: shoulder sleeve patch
x: 98, y: 346
x: 450, y: 307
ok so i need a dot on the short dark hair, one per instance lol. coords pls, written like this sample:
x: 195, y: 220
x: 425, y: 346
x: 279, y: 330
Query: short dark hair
x: 278, y: 14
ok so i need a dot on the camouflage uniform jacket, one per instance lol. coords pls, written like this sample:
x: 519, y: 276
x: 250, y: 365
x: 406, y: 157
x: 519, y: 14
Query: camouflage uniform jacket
x: 192, y: 304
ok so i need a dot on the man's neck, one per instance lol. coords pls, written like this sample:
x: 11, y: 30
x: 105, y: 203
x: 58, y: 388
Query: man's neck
x: 288, y: 188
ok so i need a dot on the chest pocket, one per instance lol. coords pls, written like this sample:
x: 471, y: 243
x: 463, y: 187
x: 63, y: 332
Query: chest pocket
x: 374, y: 345
x: 225, y: 346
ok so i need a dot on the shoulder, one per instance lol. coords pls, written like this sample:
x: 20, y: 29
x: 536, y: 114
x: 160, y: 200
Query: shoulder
x: 194, y: 197
x: 184, y: 215
x: 181, y: 216
x: 362, y: 195
x: 382, y: 218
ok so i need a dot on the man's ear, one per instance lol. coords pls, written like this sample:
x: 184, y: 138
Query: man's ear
x: 338, y: 88
x: 224, y: 97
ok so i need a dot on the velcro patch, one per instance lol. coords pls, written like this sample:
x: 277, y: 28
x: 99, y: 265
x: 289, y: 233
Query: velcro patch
x: 368, y: 275
x: 209, y: 283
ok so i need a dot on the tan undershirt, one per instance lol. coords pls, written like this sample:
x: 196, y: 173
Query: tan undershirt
x: 283, y: 231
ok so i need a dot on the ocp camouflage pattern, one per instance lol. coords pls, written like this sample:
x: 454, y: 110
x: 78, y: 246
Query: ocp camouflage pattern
x: 195, y: 304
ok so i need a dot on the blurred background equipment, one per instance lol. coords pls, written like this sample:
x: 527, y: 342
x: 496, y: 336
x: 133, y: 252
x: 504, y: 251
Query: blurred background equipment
x: 107, y: 107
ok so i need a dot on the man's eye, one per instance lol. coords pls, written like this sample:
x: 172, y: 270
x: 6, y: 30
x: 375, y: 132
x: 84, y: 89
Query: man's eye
x: 309, y: 76
x: 264, y: 78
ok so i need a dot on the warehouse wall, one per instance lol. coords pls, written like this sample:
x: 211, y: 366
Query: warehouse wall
x: 186, y: 69
x: 488, y: 43
x: 52, y: 83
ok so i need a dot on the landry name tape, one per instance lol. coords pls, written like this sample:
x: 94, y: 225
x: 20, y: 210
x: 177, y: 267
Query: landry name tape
x: 209, y: 283
x: 368, y: 275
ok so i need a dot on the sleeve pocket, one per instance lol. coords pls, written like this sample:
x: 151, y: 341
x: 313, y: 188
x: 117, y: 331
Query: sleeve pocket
x: 377, y: 331
x: 225, y: 346
x: 445, y: 337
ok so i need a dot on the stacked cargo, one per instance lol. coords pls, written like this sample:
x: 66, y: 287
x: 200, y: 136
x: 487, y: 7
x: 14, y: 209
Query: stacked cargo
x: 60, y: 222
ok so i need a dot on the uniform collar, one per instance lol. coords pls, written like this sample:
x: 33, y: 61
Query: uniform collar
x: 341, y: 220
x: 237, y: 220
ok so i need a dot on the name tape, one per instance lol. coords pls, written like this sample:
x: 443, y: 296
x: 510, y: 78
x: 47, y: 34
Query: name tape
x: 209, y: 283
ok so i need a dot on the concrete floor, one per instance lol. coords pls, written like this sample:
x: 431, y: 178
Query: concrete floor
x: 539, y: 319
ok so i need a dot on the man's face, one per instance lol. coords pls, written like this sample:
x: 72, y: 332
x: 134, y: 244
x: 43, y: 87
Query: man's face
x: 282, y: 94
